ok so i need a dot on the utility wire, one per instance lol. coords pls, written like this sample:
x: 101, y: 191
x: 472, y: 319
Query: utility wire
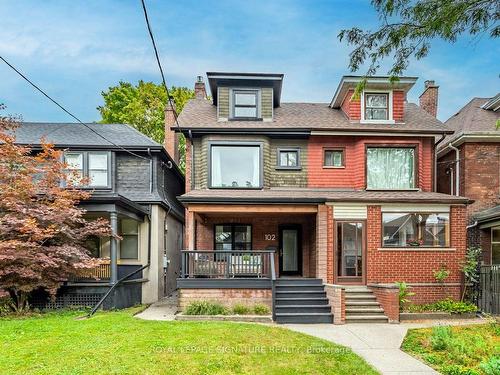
x: 65, y: 110
x: 158, y: 58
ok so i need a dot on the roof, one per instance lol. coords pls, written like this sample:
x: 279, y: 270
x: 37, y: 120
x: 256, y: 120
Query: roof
x: 76, y: 134
x: 472, y: 119
x: 315, y: 196
x: 489, y: 214
x: 201, y: 114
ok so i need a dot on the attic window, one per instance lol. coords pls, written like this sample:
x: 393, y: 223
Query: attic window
x: 376, y: 106
x: 245, y: 104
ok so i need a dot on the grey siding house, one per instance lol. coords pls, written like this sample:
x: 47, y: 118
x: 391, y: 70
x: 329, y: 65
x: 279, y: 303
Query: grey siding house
x: 134, y: 184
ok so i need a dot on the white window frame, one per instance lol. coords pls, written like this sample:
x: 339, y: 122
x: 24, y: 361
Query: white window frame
x: 390, y: 119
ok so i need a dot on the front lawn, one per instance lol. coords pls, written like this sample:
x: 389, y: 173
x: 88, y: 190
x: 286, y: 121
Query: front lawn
x: 118, y: 343
x: 460, y: 350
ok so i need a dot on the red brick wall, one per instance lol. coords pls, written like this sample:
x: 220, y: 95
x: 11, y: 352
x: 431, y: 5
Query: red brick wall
x: 353, y: 175
x: 351, y: 107
x: 336, y: 297
x: 227, y: 297
x: 398, y: 105
x: 416, y: 266
x: 388, y: 297
x: 330, y: 241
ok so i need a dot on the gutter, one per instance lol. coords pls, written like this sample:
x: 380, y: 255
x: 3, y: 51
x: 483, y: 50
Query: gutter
x: 457, y: 169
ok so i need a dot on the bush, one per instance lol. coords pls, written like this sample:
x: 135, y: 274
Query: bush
x: 261, y: 309
x: 241, y: 309
x: 492, y: 366
x: 441, y: 337
x: 446, y: 305
x: 458, y: 370
x: 5, y: 305
x: 404, y: 293
x: 206, y: 308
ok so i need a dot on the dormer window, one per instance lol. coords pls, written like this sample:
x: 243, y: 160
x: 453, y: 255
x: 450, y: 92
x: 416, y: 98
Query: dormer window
x: 245, y: 104
x: 376, y: 106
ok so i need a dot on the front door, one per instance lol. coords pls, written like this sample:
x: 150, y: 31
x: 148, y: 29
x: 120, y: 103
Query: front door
x: 290, y: 252
x: 350, y: 240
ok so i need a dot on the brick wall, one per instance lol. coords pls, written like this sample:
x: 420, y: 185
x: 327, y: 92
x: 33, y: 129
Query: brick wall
x: 416, y: 266
x: 388, y: 297
x: 336, y: 298
x: 398, y: 105
x: 330, y: 244
x: 353, y: 175
x: 227, y: 297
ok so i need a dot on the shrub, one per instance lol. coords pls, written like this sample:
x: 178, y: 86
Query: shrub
x: 404, y: 293
x: 441, y: 337
x: 492, y: 366
x: 5, y: 305
x: 261, y: 309
x: 458, y: 370
x: 241, y: 309
x: 441, y: 274
x: 206, y: 308
x: 446, y: 305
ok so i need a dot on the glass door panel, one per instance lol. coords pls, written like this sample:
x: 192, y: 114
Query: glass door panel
x: 349, y: 249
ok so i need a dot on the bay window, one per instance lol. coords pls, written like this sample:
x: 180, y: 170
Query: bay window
x: 235, y: 166
x: 390, y: 168
x: 416, y: 229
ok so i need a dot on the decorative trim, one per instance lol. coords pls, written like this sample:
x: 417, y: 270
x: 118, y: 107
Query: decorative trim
x: 418, y: 249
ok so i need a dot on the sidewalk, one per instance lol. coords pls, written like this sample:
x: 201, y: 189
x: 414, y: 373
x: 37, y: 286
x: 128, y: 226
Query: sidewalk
x: 163, y: 309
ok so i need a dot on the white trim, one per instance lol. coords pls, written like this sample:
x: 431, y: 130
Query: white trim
x: 390, y: 119
x: 272, y: 78
x: 394, y: 207
x: 417, y: 248
x: 350, y: 211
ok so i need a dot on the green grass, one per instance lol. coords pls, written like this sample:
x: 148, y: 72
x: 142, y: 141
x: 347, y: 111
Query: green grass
x: 460, y: 350
x: 117, y: 343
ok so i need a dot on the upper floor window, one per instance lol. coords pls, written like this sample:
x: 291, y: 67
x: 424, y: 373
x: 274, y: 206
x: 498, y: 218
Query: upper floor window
x: 333, y: 158
x: 235, y: 166
x: 390, y: 168
x: 245, y: 104
x: 376, y: 106
x: 289, y: 158
x: 94, y: 165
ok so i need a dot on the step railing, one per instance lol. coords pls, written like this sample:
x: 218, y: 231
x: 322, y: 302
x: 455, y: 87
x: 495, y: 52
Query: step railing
x: 227, y: 264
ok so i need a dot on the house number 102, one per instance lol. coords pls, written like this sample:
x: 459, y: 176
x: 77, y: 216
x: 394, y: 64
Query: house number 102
x: 269, y: 237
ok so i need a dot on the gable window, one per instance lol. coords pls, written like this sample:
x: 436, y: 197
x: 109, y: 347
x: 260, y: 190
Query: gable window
x: 94, y: 165
x: 390, y: 168
x: 289, y: 158
x: 376, y: 106
x: 129, y: 245
x: 237, y: 166
x: 245, y: 104
x: 333, y: 158
x: 416, y: 229
x: 233, y: 237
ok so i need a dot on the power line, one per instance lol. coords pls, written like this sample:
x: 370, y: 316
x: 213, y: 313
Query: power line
x: 158, y: 58
x: 65, y: 110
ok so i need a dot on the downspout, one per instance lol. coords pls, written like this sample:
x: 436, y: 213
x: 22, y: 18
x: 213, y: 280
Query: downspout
x: 472, y: 225
x: 435, y: 160
x: 457, y: 168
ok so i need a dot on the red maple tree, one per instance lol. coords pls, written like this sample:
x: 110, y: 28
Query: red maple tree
x: 42, y: 228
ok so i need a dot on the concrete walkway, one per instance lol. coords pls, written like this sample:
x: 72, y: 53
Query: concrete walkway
x: 379, y: 344
x: 163, y: 309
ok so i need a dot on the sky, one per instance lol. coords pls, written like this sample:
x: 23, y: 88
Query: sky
x: 76, y: 49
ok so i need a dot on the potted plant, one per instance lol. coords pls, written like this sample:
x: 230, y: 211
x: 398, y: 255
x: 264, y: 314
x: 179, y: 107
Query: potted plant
x: 414, y: 242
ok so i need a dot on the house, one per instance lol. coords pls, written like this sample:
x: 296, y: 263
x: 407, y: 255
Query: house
x: 134, y: 185
x: 315, y: 208
x: 469, y: 164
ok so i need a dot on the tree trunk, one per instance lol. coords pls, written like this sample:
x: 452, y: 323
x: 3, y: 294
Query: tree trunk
x: 19, y: 300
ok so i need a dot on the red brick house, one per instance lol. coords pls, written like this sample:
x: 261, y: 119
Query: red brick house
x: 315, y: 209
x: 469, y: 164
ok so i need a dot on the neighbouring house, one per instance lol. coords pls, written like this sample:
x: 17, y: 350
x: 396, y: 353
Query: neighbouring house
x: 469, y: 165
x: 315, y: 209
x: 134, y: 184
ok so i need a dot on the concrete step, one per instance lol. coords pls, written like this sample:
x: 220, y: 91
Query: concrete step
x: 302, y: 318
x: 286, y: 301
x: 360, y: 297
x: 300, y: 294
x: 300, y: 287
x: 300, y: 281
x: 357, y: 290
x: 366, y: 319
x: 362, y: 310
x: 303, y: 309
x: 361, y: 303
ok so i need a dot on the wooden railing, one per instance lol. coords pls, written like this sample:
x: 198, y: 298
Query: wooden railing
x: 100, y: 272
x: 227, y: 264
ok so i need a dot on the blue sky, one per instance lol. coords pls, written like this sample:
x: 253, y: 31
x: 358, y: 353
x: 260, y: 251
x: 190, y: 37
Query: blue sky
x: 76, y: 49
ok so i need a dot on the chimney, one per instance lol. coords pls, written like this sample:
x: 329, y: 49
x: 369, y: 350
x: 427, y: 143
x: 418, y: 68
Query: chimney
x: 199, y: 88
x: 429, y: 98
x: 171, y: 142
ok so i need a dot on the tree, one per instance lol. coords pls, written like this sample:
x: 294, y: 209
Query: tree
x: 408, y: 27
x: 143, y: 106
x: 42, y: 229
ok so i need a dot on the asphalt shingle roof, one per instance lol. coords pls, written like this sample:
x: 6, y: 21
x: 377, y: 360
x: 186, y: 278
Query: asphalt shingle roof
x: 76, y: 134
x: 202, y: 114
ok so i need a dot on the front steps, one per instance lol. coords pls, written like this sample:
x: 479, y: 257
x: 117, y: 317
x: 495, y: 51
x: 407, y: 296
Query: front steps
x: 361, y: 306
x: 301, y: 301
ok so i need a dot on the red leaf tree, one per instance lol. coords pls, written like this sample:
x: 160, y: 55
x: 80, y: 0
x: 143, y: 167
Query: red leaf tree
x: 42, y: 228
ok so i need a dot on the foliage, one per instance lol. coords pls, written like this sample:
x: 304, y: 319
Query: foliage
x: 206, y: 308
x: 408, y: 27
x: 404, y: 293
x: 143, y: 107
x: 5, y: 305
x: 491, y: 366
x: 446, y: 305
x: 241, y: 309
x: 110, y: 343
x: 42, y: 229
x: 441, y: 274
x: 470, y: 269
x: 261, y: 309
x: 455, y: 350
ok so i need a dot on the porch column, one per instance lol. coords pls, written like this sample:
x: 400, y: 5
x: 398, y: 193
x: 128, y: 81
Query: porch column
x: 113, y: 249
x: 190, y: 229
x: 322, y: 243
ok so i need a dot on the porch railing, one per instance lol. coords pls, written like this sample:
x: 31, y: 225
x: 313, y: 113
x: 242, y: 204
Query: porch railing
x: 227, y: 264
x: 100, y: 272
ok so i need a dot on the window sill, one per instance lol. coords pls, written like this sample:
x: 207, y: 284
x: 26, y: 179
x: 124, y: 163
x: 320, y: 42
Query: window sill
x: 333, y: 167
x: 377, y: 122
x: 418, y: 248
x: 288, y: 168
x: 245, y: 119
x: 236, y: 188
x: 412, y: 189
